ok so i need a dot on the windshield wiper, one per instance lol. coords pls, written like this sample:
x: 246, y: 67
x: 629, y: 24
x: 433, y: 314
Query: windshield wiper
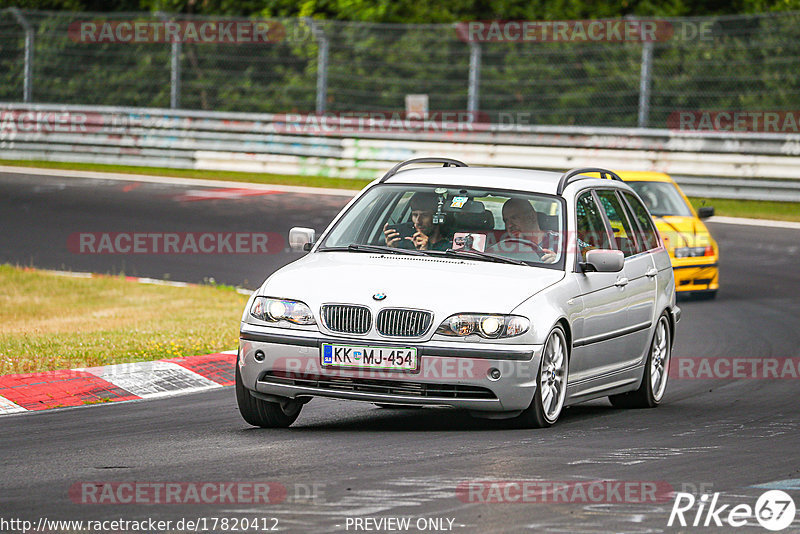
x: 472, y: 253
x: 373, y: 248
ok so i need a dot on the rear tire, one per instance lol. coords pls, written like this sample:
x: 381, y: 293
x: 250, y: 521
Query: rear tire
x: 551, y: 383
x: 262, y: 413
x: 656, y: 372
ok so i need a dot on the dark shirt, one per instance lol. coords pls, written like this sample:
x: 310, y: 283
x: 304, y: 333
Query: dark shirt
x: 443, y: 244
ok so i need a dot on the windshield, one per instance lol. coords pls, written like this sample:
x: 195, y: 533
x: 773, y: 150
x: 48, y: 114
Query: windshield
x: 662, y: 198
x: 480, y: 224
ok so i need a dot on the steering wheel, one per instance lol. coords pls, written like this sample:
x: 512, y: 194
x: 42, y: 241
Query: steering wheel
x: 500, y: 246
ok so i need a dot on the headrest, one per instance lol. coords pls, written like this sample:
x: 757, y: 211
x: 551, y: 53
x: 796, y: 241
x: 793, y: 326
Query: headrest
x: 548, y: 222
x: 471, y: 222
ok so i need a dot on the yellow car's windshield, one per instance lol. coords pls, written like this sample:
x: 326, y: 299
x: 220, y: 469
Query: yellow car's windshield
x: 662, y: 198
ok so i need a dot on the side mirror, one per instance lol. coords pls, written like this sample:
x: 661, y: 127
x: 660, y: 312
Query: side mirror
x: 301, y: 238
x: 603, y: 261
x: 705, y: 212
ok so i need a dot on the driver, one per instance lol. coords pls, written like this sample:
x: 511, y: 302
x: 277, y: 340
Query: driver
x: 522, y: 223
x: 427, y: 236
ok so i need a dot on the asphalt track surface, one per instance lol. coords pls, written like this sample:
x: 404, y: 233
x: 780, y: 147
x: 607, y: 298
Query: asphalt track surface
x: 709, y: 436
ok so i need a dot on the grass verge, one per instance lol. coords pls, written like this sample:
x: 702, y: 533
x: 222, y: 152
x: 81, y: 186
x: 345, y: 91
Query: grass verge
x: 751, y: 209
x: 781, y: 211
x: 52, y: 322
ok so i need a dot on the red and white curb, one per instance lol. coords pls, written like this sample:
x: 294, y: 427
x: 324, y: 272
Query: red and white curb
x: 115, y: 383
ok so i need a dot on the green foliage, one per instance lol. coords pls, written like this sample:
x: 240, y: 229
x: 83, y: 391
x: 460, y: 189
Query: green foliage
x: 421, y: 12
x: 748, y: 63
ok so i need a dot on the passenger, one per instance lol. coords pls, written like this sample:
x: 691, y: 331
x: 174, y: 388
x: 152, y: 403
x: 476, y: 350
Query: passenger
x: 522, y: 223
x: 427, y: 236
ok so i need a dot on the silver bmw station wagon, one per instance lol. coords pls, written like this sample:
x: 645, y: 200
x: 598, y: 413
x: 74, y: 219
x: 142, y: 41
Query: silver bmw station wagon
x: 509, y: 293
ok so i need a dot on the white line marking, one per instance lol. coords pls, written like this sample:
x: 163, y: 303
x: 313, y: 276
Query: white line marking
x: 136, y: 279
x: 153, y: 379
x: 7, y: 407
x: 793, y: 484
x: 235, y: 193
x: 70, y: 274
x: 755, y: 222
x: 194, y: 182
x: 156, y: 282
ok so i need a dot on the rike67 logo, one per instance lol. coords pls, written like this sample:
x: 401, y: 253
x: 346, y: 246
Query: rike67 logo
x: 774, y: 510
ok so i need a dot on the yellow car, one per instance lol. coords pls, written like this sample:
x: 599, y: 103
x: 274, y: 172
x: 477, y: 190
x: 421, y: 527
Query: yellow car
x: 694, y: 253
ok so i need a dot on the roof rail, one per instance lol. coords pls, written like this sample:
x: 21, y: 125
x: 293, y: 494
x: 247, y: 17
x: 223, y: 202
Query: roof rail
x: 446, y: 161
x: 568, y: 176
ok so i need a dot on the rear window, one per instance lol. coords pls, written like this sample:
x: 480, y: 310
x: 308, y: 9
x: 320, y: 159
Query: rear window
x: 648, y: 235
x: 591, y: 227
x: 620, y: 225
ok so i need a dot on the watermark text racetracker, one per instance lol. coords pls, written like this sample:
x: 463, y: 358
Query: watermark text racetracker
x: 177, y: 493
x: 217, y: 31
x: 734, y: 368
x: 584, y: 31
x: 564, y: 492
x: 28, y: 121
x: 203, y: 493
x: 735, y: 121
x: 430, y: 367
x: 175, y: 243
x: 380, y: 121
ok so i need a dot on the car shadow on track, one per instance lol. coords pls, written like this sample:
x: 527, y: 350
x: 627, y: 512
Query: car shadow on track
x: 437, y: 420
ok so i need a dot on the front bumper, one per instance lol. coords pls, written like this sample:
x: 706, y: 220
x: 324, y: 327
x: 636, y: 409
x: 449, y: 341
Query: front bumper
x: 700, y: 274
x: 455, y: 374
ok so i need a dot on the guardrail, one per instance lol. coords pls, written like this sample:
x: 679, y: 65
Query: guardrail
x: 722, y: 165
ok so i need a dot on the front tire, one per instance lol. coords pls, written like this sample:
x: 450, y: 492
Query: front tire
x: 551, y: 383
x: 262, y: 413
x: 654, y: 381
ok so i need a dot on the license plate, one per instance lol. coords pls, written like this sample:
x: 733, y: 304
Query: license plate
x: 392, y: 358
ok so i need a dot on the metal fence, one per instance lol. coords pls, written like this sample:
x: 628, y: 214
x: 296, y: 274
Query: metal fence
x: 706, y: 164
x: 744, y: 63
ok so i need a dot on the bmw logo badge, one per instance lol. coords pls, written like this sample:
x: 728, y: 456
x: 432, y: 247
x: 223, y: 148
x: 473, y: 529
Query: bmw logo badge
x: 379, y: 296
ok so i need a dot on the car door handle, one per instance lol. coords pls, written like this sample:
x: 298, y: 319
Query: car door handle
x: 651, y: 272
x: 621, y: 282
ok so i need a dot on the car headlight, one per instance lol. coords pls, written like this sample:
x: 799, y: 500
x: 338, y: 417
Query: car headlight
x: 274, y: 310
x: 487, y: 326
x: 693, y: 252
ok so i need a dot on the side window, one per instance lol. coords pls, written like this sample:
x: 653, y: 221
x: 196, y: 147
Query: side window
x: 401, y: 209
x: 590, y: 225
x: 649, y: 236
x: 393, y: 210
x: 623, y: 232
